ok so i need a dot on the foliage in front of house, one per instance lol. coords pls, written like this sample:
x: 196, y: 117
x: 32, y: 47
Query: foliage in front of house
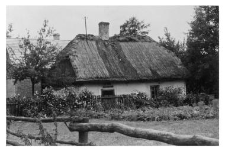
x: 154, y: 114
x: 169, y: 105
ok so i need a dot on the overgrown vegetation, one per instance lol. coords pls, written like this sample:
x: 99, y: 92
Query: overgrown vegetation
x: 154, y: 114
x: 202, y: 55
x: 170, y: 96
x: 169, y: 105
x: 136, y: 107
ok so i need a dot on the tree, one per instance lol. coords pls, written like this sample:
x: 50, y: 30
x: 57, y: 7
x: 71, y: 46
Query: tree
x: 9, y: 67
x: 9, y: 30
x: 203, y: 50
x: 35, y: 57
x: 171, y: 44
x: 134, y: 27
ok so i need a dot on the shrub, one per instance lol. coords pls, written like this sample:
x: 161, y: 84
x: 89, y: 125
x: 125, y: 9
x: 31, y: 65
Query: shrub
x: 193, y: 99
x: 85, y: 98
x: 125, y: 107
x: 170, y: 96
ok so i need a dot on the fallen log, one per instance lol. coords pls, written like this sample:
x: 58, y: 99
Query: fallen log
x: 13, y: 143
x: 46, y: 120
x: 149, y: 134
x: 57, y: 141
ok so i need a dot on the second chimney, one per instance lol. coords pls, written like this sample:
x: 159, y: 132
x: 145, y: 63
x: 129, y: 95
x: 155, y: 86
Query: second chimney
x: 56, y: 36
x: 104, y: 30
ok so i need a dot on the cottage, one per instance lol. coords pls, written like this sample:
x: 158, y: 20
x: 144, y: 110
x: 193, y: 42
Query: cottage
x: 119, y: 65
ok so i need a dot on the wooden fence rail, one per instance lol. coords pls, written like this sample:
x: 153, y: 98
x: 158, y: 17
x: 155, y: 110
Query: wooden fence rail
x: 43, y: 120
x: 83, y: 127
x: 149, y: 134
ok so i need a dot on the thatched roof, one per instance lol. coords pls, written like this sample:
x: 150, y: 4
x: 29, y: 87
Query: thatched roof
x: 121, y: 59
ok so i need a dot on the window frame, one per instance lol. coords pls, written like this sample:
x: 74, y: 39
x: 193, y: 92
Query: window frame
x: 154, y: 89
x: 107, y: 89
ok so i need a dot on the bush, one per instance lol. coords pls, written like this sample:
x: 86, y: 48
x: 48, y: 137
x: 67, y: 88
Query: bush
x: 142, y: 100
x: 138, y: 107
x: 58, y: 102
x: 193, y: 99
x: 170, y: 96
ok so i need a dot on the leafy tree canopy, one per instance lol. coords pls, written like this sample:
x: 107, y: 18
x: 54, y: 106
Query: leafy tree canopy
x: 35, y: 57
x: 171, y: 44
x: 203, y: 50
x: 134, y: 27
x: 9, y: 30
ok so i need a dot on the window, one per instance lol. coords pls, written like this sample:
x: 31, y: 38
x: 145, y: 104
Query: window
x: 108, y: 99
x: 154, y: 91
x: 108, y: 92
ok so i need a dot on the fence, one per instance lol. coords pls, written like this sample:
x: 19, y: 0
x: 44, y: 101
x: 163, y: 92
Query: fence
x: 83, y: 126
x: 16, y: 108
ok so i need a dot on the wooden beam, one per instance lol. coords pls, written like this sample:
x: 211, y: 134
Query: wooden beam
x: 149, y: 134
x: 46, y: 120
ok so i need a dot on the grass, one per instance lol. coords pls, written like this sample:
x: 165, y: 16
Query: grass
x: 209, y: 128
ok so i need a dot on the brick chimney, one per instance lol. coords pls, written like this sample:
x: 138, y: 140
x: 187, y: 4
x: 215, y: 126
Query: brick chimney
x: 104, y: 30
x: 56, y: 36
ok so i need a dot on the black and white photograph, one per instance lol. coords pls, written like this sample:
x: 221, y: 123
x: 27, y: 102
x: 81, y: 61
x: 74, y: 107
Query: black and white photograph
x: 112, y: 75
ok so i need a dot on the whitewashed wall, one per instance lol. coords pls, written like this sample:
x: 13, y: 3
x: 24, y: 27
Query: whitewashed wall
x: 128, y: 88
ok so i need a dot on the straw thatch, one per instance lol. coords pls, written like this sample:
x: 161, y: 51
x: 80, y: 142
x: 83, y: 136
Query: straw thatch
x: 122, y: 59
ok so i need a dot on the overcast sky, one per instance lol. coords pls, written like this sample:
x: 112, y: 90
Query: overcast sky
x: 69, y: 20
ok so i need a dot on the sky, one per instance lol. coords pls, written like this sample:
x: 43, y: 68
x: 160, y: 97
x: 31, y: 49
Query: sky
x: 68, y: 21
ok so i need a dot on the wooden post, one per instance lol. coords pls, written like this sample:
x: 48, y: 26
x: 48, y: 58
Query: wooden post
x: 83, y: 135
